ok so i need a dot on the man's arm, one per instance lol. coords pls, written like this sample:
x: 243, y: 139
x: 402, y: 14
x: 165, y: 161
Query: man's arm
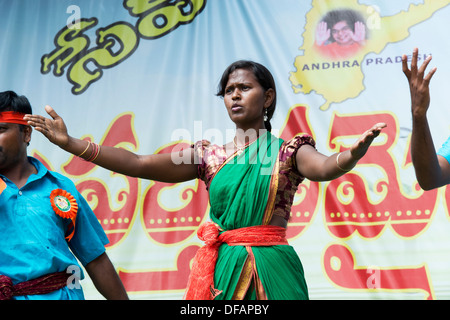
x: 106, y: 279
x: 432, y: 171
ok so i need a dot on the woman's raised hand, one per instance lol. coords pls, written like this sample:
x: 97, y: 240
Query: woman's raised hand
x: 53, y: 129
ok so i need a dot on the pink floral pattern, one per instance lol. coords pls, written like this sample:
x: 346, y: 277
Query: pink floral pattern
x: 210, y: 157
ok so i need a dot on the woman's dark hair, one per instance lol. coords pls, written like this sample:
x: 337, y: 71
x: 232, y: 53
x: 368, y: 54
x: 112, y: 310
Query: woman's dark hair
x: 347, y: 15
x: 11, y: 101
x: 263, y: 76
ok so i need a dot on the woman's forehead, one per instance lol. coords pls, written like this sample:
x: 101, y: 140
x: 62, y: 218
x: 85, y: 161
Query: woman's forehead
x: 241, y: 76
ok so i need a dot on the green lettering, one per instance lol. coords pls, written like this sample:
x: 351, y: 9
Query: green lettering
x: 69, y: 44
x: 103, y: 56
x: 163, y: 16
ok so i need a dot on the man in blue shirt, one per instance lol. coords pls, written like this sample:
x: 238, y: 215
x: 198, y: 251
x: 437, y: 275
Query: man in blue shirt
x: 43, y: 219
x: 432, y: 169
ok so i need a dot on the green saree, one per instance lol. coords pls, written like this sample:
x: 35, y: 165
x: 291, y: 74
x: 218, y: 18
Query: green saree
x: 242, y: 194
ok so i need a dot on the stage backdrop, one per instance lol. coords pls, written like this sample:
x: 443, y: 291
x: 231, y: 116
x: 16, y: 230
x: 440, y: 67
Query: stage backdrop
x: 142, y: 75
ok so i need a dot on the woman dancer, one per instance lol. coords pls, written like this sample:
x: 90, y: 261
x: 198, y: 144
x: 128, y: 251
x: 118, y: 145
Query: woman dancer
x: 251, y: 181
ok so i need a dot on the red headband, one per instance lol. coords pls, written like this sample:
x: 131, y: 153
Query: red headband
x: 12, y: 117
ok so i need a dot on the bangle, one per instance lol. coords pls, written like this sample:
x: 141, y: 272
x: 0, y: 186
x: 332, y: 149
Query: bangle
x: 89, y: 143
x: 95, y: 152
x: 98, y: 152
x: 337, y: 163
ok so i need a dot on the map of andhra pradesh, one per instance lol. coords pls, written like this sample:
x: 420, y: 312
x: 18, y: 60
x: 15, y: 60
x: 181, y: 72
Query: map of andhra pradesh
x: 338, y: 35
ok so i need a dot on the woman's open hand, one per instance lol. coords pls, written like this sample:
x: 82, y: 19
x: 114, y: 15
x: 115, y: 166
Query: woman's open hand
x: 53, y: 129
x: 360, y: 147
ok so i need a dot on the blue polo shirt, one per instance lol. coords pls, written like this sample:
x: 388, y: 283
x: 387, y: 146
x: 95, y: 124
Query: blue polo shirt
x: 32, y: 235
x: 445, y: 150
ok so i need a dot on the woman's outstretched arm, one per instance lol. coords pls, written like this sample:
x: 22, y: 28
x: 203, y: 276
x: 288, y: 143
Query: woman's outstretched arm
x: 315, y: 166
x: 170, y: 167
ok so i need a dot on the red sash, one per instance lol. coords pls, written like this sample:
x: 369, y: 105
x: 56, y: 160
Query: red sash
x: 41, y: 285
x: 201, y: 280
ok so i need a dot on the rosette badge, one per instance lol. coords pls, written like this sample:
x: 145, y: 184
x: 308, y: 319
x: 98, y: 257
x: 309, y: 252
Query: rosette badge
x: 64, y: 204
x: 2, y: 186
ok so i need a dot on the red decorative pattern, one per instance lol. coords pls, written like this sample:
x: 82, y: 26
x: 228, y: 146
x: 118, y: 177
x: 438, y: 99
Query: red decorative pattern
x: 41, y: 285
